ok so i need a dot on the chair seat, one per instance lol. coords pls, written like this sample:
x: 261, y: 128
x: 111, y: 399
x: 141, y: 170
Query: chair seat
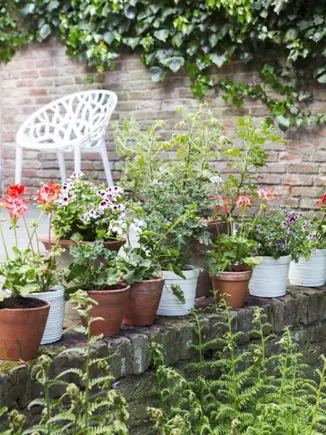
x: 77, y: 122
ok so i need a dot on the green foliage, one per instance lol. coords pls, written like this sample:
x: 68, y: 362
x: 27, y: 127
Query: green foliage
x: 284, y: 232
x: 170, y: 35
x: 229, y: 251
x: 86, y: 211
x: 96, y: 408
x: 27, y: 272
x: 252, y: 392
x: 94, y: 267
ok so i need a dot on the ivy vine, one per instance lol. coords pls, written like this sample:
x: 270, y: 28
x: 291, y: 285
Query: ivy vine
x: 172, y: 34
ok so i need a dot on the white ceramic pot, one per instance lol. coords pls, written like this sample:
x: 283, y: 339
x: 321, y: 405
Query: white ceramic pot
x: 309, y: 273
x: 54, y: 325
x: 170, y: 305
x: 269, y: 279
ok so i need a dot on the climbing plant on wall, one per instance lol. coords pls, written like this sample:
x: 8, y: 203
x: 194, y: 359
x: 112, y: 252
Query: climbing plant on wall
x: 285, y: 40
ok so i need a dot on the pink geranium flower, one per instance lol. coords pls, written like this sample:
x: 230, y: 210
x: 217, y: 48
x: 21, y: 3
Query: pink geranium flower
x: 48, y: 194
x: 15, y: 205
x: 244, y: 201
x: 265, y: 195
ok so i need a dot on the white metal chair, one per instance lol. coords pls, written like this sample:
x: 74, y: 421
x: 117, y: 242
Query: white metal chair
x: 76, y: 122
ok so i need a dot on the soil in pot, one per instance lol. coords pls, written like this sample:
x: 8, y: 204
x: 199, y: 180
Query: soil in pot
x: 233, y: 284
x: 143, y: 302
x: 111, y: 308
x: 22, y: 324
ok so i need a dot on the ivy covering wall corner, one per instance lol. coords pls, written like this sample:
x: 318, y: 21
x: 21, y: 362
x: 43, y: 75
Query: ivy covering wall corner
x: 173, y: 34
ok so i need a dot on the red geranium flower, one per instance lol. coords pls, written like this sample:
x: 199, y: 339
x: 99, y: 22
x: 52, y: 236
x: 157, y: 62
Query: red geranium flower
x: 322, y: 200
x: 16, y: 190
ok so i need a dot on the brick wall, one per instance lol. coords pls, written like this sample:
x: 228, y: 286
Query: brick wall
x: 42, y: 73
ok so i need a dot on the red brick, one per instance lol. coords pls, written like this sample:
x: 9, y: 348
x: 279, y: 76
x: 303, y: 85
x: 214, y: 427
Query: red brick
x: 290, y: 157
x: 33, y: 74
x: 297, y: 180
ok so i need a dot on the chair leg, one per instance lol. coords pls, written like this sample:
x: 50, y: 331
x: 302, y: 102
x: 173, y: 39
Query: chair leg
x: 77, y: 158
x: 62, y: 166
x: 19, y: 165
x: 106, y: 164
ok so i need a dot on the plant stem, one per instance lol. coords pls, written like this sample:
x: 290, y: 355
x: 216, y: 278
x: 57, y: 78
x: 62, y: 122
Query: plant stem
x: 49, y: 230
x: 15, y: 233
x: 4, y: 241
x: 28, y: 234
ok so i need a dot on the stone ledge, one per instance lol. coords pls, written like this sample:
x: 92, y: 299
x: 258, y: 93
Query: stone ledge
x: 302, y: 308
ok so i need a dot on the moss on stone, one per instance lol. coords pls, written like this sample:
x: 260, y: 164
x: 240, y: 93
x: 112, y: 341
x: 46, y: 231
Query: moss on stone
x: 6, y: 366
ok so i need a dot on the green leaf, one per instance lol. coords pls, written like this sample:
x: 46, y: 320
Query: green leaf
x: 173, y: 62
x: 218, y: 60
x: 283, y: 122
x: 322, y: 78
x: 161, y: 34
x: 45, y: 31
x: 158, y: 74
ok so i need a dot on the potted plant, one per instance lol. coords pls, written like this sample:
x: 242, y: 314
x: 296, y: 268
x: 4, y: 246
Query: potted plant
x: 281, y: 235
x: 309, y: 268
x: 151, y: 175
x: 90, y: 211
x: 29, y: 277
x: 232, y: 256
x: 95, y: 270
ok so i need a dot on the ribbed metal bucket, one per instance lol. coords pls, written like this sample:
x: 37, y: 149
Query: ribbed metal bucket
x: 309, y: 273
x: 170, y: 305
x: 269, y: 279
x: 54, y: 324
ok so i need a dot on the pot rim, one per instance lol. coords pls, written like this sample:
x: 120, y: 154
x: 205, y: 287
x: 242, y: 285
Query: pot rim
x: 26, y: 309
x: 108, y: 291
x: 159, y: 278
x: 241, y: 275
x: 52, y: 290
x: 68, y: 242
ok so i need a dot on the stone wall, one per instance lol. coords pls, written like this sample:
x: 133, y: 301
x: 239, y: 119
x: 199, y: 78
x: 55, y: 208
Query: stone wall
x: 42, y: 73
x: 302, y: 308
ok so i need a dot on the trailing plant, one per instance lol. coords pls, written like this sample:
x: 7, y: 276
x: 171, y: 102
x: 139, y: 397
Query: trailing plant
x: 79, y: 410
x: 251, y: 392
x: 171, y: 35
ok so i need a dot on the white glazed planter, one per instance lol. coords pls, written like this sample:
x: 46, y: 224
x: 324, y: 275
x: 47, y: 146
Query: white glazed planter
x: 309, y: 273
x: 170, y: 305
x: 54, y: 324
x: 269, y: 279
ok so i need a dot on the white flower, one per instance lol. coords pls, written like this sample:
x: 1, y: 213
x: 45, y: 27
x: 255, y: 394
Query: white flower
x: 216, y: 179
x: 76, y: 175
x: 64, y: 200
x: 104, y: 204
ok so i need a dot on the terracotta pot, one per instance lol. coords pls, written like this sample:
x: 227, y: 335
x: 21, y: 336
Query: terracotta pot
x: 143, y: 302
x: 21, y: 332
x: 111, y: 308
x: 198, y: 251
x: 234, y: 284
x: 65, y: 259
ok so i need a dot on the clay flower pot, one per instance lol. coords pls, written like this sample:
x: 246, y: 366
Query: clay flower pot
x: 111, y: 305
x: 234, y: 284
x: 143, y: 302
x: 65, y: 258
x: 71, y: 317
x: 21, y: 329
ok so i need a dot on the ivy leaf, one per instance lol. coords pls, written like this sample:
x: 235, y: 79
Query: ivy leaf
x: 177, y: 40
x: 283, y: 122
x: 173, y: 62
x: 45, y: 31
x: 161, y: 34
x: 322, y: 78
x: 213, y: 39
x: 158, y: 74
x: 53, y: 4
x: 219, y: 60
x: 28, y: 9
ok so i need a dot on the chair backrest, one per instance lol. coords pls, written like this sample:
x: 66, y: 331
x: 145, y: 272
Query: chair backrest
x: 80, y: 118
